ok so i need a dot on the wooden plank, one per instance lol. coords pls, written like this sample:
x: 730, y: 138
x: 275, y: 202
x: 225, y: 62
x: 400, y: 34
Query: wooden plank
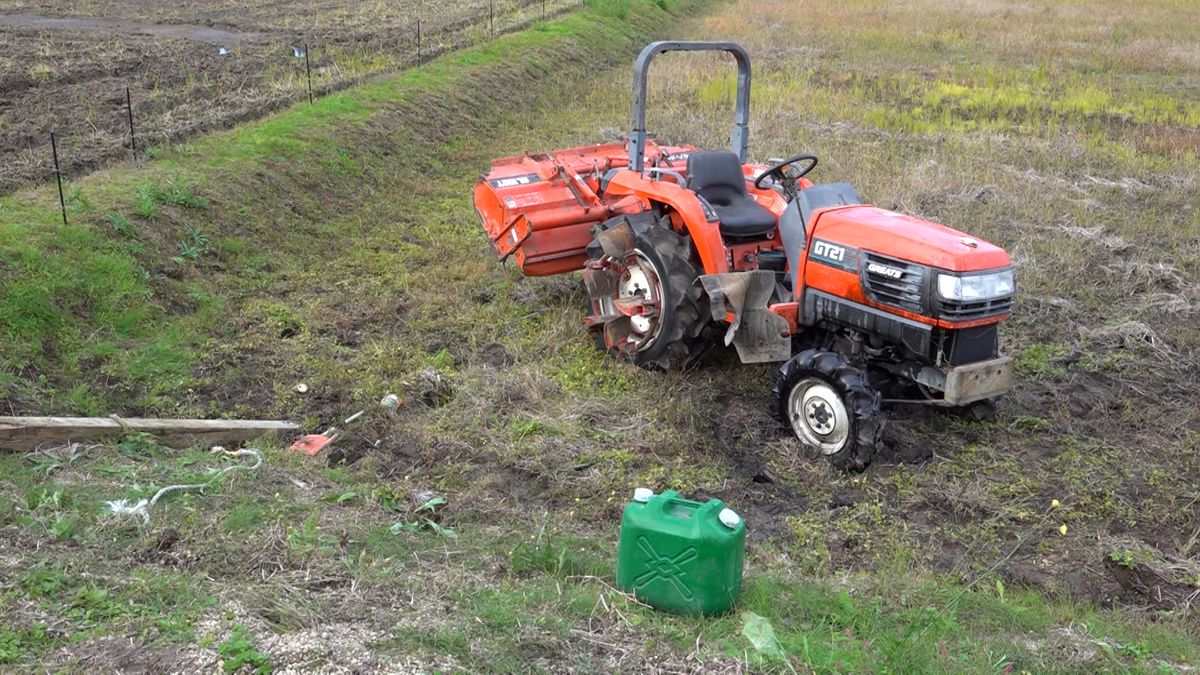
x: 28, y: 433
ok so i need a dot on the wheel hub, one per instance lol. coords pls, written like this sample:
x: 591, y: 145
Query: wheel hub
x: 635, y: 283
x: 637, y: 280
x: 819, y: 416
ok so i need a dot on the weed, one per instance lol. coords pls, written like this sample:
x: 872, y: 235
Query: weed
x: 193, y: 245
x: 42, y: 72
x: 811, y: 550
x: 151, y: 195
x: 49, y: 460
x: 1039, y: 360
x: 308, y: 539
x: 16, y: 643
x: 140, y: 443
x: 424, y: 524
x: 181, y: 195
x: 391, y: 500
x: 558, y: 556
x: 239, y: 651
x: 146, y: 202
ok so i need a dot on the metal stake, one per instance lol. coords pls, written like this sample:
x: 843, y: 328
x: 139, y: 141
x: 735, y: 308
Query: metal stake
x: 492, y: 17
x: 62, y: 202
x: 308, y: 73
x: 543, y: 10
x: 418, y: 39
x: 132, y: 136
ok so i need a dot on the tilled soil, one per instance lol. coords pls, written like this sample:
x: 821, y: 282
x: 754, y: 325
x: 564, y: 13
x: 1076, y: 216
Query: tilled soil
x: 197, y: 67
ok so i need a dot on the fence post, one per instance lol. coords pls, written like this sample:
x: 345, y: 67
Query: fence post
x: 418, y: 40
x: 492, y: 18
x: 308, y: 73
x: 62, y: 203
x: 132, y: 135
x: 543, y: 10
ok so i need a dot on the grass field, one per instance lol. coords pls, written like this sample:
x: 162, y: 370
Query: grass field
x: 64, y: 66
x: 335, y: 246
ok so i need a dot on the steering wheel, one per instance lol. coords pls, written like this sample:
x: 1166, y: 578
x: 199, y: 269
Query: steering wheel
x: 777, y: 171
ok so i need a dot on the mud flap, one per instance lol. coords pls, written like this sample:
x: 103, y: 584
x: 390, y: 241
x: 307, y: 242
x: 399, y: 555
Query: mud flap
x: 618, y: 241
x: 759, y: 334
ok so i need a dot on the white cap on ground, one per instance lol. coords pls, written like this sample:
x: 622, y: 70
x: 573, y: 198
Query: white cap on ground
x: 728, y: 518
x: 642, y: 495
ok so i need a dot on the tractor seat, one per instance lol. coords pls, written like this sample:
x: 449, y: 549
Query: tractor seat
x: 716, y: 175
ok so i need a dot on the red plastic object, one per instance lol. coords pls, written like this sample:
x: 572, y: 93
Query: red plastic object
x: 311, y: 444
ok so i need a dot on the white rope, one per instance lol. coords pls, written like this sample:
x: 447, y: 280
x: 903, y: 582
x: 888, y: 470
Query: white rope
x: 141, y: 508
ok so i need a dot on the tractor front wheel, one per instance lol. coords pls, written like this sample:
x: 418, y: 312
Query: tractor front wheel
x: 829, y: 404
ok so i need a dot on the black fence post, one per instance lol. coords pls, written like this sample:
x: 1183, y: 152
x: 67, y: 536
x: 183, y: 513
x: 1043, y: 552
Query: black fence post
x: 62, y: 202
x: 308, y: 73
x: 132, y: 135
x: 492, y: 18
x: 543, y: 10
x: 418, y: 40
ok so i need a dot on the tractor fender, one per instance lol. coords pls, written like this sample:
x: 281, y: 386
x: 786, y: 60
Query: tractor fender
x: 705, y: 235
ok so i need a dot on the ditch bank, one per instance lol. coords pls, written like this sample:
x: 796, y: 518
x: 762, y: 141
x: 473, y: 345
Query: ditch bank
x: 115, y: 311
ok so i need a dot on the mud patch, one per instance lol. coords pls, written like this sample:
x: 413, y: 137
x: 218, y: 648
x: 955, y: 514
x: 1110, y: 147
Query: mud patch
x: 496, y: 356
x: 121, y: 655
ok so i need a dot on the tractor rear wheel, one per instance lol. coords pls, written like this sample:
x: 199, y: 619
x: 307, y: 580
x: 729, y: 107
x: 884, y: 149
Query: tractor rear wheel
x: 643, y: 303
x: 830, y: 405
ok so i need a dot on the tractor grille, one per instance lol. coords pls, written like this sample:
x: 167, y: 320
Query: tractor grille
x: 952, y: 310
x: 894, y: 282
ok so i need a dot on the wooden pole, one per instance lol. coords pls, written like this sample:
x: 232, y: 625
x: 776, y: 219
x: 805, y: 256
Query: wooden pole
x: 62, y: 202
x: 132, y: 137
x: 27, y: 433
x: 308, y: 73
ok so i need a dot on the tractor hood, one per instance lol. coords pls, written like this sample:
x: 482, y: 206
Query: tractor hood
x: 896, y: 235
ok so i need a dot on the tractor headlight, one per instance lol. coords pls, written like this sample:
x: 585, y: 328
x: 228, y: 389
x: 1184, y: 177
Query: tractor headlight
x: 976, y: 286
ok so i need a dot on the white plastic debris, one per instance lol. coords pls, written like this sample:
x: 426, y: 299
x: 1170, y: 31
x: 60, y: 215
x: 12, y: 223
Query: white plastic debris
x: 141, y: 508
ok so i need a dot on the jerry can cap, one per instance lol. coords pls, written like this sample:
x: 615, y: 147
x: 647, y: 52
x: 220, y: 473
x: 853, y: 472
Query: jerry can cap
x: 642, y: 495
x: 729, y: 518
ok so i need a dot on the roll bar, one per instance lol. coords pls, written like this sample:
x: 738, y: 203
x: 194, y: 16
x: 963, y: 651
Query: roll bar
x: 739, y: 139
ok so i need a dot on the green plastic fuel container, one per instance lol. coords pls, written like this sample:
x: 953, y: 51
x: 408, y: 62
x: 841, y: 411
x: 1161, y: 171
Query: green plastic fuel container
x: 679, y: 555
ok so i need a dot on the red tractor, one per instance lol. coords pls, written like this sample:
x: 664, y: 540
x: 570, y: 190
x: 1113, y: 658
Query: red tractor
x: 681, y: 248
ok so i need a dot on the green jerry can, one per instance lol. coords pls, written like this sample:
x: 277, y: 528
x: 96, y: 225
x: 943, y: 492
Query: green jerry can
x: 681, y: 556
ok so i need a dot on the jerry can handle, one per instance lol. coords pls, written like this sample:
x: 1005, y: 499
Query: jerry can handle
x: 670, y: 501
